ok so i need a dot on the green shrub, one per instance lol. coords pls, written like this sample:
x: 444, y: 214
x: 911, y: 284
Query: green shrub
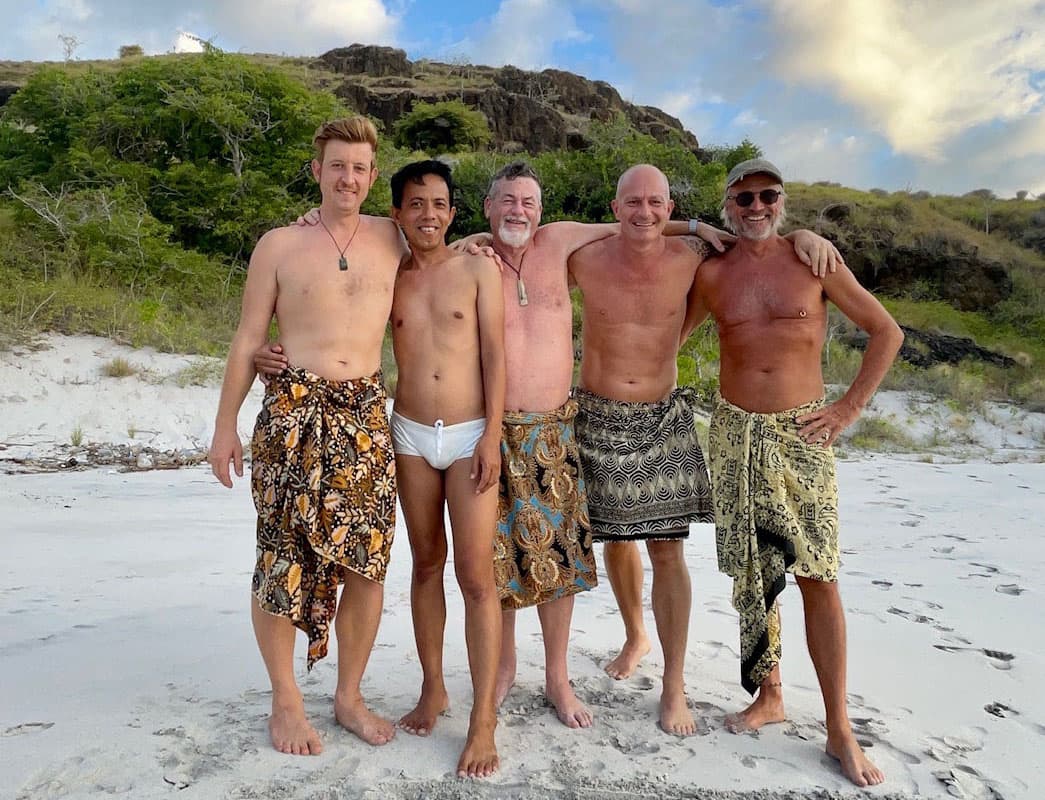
x: 445, y: 127
x: 878, y: 434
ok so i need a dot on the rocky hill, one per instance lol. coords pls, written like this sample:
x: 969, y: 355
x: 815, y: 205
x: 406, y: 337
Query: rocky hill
x: 527, y: 111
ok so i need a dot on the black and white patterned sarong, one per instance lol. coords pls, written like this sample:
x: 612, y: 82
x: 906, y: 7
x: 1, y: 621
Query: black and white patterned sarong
x: 644, y: 471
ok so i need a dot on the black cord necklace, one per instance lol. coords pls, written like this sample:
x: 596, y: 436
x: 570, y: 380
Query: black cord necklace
x: 519, y: 285
x: 342, y: 262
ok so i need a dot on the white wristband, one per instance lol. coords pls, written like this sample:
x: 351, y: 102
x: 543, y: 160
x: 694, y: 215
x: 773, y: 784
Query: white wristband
x: 693, y: 223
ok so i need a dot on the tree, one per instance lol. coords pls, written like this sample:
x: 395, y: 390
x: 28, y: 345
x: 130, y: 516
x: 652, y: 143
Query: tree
x: 131, y: 51
x: 446, y: 127
x: 69, y: 45
x: 216, y: 145
x: 729, y: 157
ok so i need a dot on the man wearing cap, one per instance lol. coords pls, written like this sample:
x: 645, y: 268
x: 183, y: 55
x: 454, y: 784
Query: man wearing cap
x: 772, y: 470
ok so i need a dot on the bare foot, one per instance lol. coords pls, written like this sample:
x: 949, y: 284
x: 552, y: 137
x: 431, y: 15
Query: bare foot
x: 479, y: 758
x: 290, y: 729
x: 368, y: 726
x: 675, y: 716
x: 505, y: 682
x: 422, y: 719
x: 571, y: 711
x: 856, y: 766
x: 628, y: 659
x: 764, y: 711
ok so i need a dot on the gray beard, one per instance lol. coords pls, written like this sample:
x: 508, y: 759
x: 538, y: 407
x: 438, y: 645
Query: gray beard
x: 513, y: 238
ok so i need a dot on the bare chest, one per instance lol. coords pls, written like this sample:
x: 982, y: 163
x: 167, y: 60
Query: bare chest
x: 435, y: 303
x: 316, y: 274
x: 767, y: 298
x: 627, y: 295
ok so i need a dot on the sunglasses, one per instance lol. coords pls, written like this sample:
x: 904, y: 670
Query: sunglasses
x: 767, y: 196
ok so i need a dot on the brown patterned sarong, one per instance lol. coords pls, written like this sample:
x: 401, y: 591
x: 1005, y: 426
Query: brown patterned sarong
x: 324, y: 486
x: 543, y: 550
x: 643, y: 467
x: 776, y: 511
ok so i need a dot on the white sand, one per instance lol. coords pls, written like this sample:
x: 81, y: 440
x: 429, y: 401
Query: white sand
x: 128, y: 667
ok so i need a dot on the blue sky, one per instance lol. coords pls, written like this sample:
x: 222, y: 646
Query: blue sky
x: 897, y: 94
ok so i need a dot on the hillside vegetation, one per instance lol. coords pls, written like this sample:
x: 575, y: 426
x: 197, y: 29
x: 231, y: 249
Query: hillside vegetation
x: 135, y: 190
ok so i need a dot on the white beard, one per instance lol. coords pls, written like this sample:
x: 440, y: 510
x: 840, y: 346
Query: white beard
x: 513, y: 237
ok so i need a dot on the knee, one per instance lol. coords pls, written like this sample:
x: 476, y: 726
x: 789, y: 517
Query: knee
x: 817, y: 591
x: 619, y: 552
x: 477, y: 585
x: 665, y: 554
x: 429, y: 564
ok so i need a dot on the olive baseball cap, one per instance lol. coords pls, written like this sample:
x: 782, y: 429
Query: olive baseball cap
x: 753, y: 166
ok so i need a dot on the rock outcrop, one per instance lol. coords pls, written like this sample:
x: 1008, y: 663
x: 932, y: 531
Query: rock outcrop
x: 926, y: 348
x: 953, y: 272
x: 533, y: 111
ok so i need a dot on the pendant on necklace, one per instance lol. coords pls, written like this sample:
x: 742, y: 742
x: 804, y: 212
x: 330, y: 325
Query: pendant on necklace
x: 342, y: 264
x: 523, y: 299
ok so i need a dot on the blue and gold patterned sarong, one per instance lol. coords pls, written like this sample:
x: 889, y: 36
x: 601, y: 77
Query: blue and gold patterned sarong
x: 543, y: 547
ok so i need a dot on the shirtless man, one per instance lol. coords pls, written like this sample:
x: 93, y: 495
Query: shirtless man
x: 773, y: 474
x: 539, y: 527
x: 642, y: 464
x: 330, y: 289
x: 544, y: 548
x: 448, y: 334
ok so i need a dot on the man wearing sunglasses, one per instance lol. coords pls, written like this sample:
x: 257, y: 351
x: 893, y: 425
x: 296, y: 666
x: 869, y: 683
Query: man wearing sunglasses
x: 772, y: 469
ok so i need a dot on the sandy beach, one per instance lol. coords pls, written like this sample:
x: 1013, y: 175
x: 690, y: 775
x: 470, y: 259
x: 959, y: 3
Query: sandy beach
x: 128, y: 665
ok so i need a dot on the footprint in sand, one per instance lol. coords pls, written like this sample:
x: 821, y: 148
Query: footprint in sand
x: 989, y: 570
x: 999, y: 659
x: 909, y: 615
x: 1000, y: 710
x: 1013, y: 589
x: 27, y: 727
x: 710, y: 650
x: 947, y: 748
x: 965, y: 782
x: 882, y: 584
x: 804, y: 731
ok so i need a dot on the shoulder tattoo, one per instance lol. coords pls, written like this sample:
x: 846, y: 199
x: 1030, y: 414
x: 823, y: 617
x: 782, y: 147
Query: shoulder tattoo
x: 697, y: 245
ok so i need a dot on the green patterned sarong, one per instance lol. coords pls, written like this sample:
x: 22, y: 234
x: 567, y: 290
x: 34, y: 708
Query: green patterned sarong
x: 776, y: 511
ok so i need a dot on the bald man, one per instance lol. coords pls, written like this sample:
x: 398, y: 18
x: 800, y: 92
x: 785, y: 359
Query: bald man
x: 645, y: 473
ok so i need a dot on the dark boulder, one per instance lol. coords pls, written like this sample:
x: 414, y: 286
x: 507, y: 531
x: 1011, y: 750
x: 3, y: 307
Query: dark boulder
x: 926, y: 349
x: 7, y: 91
x: 957, y: 275
x: 365, y: 59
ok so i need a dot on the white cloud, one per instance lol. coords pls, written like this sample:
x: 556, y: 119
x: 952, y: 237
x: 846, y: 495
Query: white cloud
x: 675, y: 103
x: 748, y: 119
x: 188, y: 43
x: 892, y: 93
x: 299, y: 27
x: 920, y: 75
x: 523, y: 33
x: 302, y: 27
